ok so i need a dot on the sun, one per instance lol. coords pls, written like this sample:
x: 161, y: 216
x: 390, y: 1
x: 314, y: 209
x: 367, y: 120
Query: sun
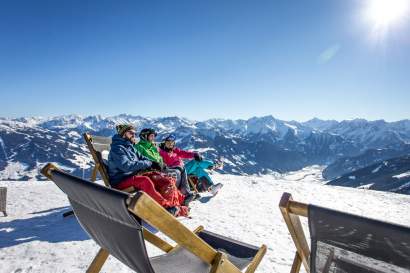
x: 385, y: 13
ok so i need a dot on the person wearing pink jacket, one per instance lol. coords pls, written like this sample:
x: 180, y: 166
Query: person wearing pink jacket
x: 173, y: 156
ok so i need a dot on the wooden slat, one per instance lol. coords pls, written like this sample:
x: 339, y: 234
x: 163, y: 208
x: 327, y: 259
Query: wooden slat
x: 150, y: 211
x: 298, y: 208
x: 295, y: 228
x: 94, y: 174
x: 98, y: 261
x: 46, y: 170
x: 256, y: 260
x: 297, y: 262
x: 156, y: 241
x: 196, y: 231
x: 221, y: 264
x: 101, y: 140
x: 97, y: 159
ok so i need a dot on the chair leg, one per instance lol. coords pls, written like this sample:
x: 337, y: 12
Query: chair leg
x: 94, y: 173
x: 297, y: 262
x: 192, y: 185
x: 98, y: 261
x: 5, y: 213
x: 256, y: 260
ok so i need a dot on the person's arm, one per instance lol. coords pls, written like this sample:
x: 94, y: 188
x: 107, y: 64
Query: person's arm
x: 206, y: 164
x: 125, y: 164
x: 184, y: 154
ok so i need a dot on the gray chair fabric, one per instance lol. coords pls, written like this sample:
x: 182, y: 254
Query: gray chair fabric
x: 103, y: 214
x: 346, y: 243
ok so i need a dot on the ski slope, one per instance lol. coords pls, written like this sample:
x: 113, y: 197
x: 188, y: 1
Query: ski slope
x: 35, y: 237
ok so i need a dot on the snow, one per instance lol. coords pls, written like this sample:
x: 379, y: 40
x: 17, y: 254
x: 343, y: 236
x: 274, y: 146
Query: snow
x: 203, y: 150
x: 377, y: 169
x: 13, y: 170
x: 402, y: 175
x: 366, y: 186
x: 352, y: 177
x: 35, y: 237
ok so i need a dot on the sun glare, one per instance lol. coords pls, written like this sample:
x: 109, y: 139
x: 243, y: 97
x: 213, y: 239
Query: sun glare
x: 384, y: 13
x: 383, y: 16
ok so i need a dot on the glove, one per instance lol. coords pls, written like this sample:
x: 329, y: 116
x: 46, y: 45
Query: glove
x: 197, y: 157
x: 157, y: 166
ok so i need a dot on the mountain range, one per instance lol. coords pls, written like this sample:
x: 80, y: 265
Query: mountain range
x: 258, y: 145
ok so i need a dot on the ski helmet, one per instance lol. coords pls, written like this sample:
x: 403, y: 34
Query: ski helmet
x: 146, y: 132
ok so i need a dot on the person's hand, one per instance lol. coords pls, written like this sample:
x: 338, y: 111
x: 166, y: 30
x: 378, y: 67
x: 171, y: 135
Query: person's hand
x: 197, y: 157
x: 157, y: 166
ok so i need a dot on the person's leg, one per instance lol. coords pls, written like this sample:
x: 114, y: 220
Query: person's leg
x: 144, y: 184
x: 175, y: 173
x: 183, y: 184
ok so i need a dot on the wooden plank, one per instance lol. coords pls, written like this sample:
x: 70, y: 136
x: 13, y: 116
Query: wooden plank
x: 46, y: 170
x: 221, y: 264
x: 150, y: 211
x: 94, y: 174
x: 196, y: 231
x: 192, y: 184
x: 297, y: 262
x: 98, y: 261
x: 296, y: 230
x: 298, y: 208
x: 156, y: 241
x: 256, y: 260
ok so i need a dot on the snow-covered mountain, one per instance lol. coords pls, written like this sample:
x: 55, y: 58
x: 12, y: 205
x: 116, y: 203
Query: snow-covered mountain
x: 256, y: 145
x: 388, y: 175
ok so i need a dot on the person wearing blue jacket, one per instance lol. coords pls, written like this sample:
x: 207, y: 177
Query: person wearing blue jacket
x: 198, y: 168
x: 124, y: 164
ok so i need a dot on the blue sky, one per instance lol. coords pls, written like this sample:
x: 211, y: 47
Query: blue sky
x: 201, y: 59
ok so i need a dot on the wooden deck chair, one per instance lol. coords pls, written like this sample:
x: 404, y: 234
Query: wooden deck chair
x: 113, y: 220
x: 345, y: 243
x: 97, y: 145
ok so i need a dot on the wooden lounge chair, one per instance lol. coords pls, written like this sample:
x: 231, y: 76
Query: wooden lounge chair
x: 113, y: 220
x: 345, y: 243
x: 97, y: 145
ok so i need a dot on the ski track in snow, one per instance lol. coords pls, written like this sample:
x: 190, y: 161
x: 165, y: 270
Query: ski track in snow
x: 35, y: 237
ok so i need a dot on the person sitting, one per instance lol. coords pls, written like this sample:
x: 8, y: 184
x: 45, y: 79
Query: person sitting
x: 124, y: 164
x: 197, y: 168
x: 173, y: 158
x: 146, y: 146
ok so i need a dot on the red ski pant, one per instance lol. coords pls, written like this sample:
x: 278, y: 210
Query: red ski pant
x: 144, y: 184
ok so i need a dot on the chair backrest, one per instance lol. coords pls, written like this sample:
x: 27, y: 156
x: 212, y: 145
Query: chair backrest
x: 104, y: 215
x: 342, y: 242
x: 345, y: 243
x: 97, y: 145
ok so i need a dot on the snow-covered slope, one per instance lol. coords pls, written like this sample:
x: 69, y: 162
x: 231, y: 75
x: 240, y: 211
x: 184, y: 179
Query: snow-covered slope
x: 388, y: 175
x: 35, y: 238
